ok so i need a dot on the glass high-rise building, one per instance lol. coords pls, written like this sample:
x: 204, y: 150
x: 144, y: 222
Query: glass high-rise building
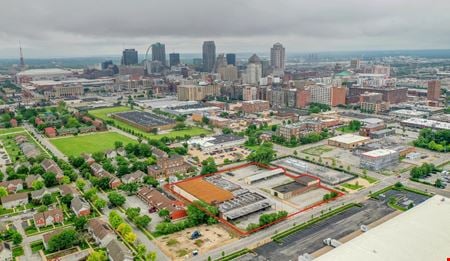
x: 209, y: 55
x: 159, y: 53
x: 129, y: 57
x: 231, y: 58
x: 174, y: 59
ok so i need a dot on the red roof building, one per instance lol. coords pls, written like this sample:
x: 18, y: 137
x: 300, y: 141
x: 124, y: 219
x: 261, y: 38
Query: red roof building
x: 50, y: 132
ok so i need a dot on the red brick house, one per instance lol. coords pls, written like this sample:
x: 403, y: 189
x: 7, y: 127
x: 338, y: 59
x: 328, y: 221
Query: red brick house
x: 50, y: 132
x: 80, y: 207
x: 12, y: 185
x: 48, y: 217
x: 38, y: 121
x: 13, y: 122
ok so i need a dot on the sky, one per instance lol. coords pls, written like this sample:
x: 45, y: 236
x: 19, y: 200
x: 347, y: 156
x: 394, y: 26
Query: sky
x: 81, y: 28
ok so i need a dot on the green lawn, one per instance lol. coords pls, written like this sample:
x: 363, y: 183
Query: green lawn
x: 90, y: 143
x: 346, y: 129
x: 6, y: 131
x: 17, y: 251
x: 103, y: 114
x: 370, y: 179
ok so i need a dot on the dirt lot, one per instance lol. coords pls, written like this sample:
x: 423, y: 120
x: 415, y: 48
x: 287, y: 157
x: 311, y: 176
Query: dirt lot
x: 179, y: 246
x: 233, y: 154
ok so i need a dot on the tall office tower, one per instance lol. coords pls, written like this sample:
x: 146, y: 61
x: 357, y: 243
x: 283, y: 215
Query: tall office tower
x: 254, y: 70
x: 129, y: 57
x: 106, y: 64
x: 209, y: 55
x: 220, y: 62
x: 434, y: 90
x: 231, y: 58
x: 159, y: 53
x: 174, y: 59
x: 355, y: 64
x: 277, y: 56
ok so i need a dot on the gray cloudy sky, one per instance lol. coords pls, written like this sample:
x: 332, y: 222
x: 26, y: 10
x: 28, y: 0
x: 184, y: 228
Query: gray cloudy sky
x: 54, y: 28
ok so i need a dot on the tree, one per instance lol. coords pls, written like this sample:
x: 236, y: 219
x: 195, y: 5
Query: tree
x: 81, y: 184
x: 15, y: 236
x: 142, y: 221
x: 124, y: 229
x: 79, y: 223
x: 98, y: 156
x: 67, y: 199
x: 65, y: 180
x: 67, y: 238
x: 98, y: 255
x: 47, y: 199
x: 37, y: 184
x: 131, y: 188
x: 116, y: 198
x: 91, y: 194
x: 164, y: 213
x: 263, y: 154
x: 115, y: 219
x: 100, y: 203
x: 118, y: 144
x: 130, y: 237
x: 3, y: 192
x: 50, y: 179
x: 438, y: 183
x: 208, y: 166
x: 132, y: 213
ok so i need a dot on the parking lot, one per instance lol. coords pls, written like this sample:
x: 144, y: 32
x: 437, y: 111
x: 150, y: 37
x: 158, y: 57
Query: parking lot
x: 219, y: 156
x: 310, y: 239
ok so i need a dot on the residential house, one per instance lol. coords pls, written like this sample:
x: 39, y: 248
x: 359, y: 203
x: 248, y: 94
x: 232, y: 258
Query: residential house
x: 80, y: 206
x: 167, y: 166
x: 50, y: 132
x: 100, y: 231
x: 13, y: 123
x: 137, y: 176
x: 157, y: 200
x: 98, y: 171
x: 68, y: 189
x: 29, y: 150
x: 32, y: 178
x: 51, y: 166
x: 117, y: 251
x: 38, y: 121
x: 159, y: 153
x: 6, y: 251
x: 14, y: 200
x: 48, y: 217
x: 111, y: 154
x: 88, y: 158
x: 21, y: 139
x: 37, y: 195
x: 121, y: 152
x: 12, y: 185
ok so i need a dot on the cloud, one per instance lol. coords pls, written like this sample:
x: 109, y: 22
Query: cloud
x: 83, y: 27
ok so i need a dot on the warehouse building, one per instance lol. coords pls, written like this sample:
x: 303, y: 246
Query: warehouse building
x: 421, y: 233
x: 379, y: 159
x: 298, y: 186
x: 217, y: 142
x: 348, y: 141
x: 145, y: 121
x: 424, y: 123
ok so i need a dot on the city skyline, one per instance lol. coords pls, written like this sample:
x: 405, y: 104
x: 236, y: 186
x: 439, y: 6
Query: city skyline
x: 303, y: 27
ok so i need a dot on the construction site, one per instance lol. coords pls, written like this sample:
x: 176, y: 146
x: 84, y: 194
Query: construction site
x: 242, y: 194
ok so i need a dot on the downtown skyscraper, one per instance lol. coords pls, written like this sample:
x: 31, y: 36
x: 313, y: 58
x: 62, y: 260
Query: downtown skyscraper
x: 209, y: 55
x: 129, y: 57
x: 174, y: 59
x: 159, y: 53
x: 277, y: 57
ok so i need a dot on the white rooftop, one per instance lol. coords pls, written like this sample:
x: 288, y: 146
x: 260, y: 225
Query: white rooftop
x: 34, y: 72
x: 378, y: 153
x: 421, y: 233
x: 429, y: 123
x: 349, y: 138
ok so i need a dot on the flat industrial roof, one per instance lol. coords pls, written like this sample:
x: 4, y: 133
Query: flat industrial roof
x: 349, y: 138
x: 205, y: 191
x: 379, y: 153
x: 421, y: 233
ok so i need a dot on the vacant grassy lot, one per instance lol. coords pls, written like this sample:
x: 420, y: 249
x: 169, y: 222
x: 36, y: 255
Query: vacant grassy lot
x: 318, y: 150
x: 103, y: 114
x: 90, y: 143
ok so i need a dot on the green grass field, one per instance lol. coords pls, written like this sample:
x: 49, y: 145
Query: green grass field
x: 90, y: 143
x: 103, y: 114
x: 10, y: 130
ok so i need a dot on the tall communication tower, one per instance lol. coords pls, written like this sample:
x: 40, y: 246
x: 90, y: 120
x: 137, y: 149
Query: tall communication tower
x: 22, y: 61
